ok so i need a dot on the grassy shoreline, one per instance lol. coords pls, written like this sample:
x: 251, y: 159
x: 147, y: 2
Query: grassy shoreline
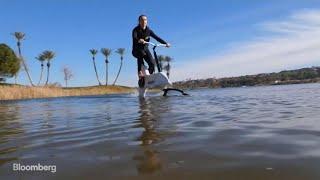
x: 16, y: 92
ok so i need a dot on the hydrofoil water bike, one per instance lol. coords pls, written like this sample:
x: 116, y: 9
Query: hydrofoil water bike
x: 155, y: 80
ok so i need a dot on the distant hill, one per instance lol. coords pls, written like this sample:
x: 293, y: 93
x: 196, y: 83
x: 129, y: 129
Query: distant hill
x: 304, y: 75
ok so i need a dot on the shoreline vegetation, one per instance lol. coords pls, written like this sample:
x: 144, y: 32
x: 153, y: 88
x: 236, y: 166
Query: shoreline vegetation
x: 298, y: 76
x: 18, y: 92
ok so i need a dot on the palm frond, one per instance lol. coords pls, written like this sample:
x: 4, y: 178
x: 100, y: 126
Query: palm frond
x: 168, y: 59
x: 48, y: 55
x: 106, y: 52
x: 121, y: 51
x: 161, y: 58
x: 41, y: 57
x: 93, y: 52
x: 19, y: 35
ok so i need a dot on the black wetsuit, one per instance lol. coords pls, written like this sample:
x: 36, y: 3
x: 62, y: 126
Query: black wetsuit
x: 141, y: 51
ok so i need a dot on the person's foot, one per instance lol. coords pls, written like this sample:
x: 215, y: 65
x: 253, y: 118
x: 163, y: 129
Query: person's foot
x: 140, y: 74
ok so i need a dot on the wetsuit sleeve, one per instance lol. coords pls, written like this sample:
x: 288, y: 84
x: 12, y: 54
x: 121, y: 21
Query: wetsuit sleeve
x: 135, y: 36
x: 152, y: 34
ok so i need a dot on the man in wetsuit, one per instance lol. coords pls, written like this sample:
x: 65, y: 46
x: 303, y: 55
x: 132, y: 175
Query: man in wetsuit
x: 140, y: 35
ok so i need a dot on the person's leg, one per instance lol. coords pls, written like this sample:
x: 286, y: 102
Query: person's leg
x: 140, y: 63
x: 141, y: 79
x: 149, y: 59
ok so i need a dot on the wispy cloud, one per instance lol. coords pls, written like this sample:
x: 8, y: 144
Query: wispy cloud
x: 286, y: 44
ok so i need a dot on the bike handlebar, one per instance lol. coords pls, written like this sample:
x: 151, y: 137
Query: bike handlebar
x: 155, y: 45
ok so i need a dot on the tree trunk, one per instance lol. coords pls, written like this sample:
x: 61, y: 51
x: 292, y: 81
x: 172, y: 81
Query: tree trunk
x: 118, y: 71
x: 48, y: 65
x: 40, y: 74
x: 168, y: 71
x: 24, y: 64
x: 106, y: 72
x: 15, y: 78
x: 95, y: 69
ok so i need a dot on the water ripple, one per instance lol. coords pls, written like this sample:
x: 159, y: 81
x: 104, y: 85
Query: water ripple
x: 219, y: 128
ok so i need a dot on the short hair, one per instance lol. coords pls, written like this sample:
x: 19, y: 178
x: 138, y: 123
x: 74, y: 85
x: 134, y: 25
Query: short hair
x: 142, y: 15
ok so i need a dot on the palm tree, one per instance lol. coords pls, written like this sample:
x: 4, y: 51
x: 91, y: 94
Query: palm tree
x: 48, y: 55
x: 120, y: 51
x: 161, y: 60
x: 94, y: 52
x: 106, y: 52
x: 20, y: 36
x: 168, y: 59
x: 41, y: 59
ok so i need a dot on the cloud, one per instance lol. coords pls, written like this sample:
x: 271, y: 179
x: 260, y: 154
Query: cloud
x: 286, y: 44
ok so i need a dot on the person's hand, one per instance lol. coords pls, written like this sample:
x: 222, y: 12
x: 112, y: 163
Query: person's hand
x: 142, y: 41
x: 168, y: 45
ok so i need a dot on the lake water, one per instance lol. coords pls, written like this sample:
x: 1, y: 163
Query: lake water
x: 252, y: 133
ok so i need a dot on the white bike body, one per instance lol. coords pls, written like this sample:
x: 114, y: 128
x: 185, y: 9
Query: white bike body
x: 156, y: 80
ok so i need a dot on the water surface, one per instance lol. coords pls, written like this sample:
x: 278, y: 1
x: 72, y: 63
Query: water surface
x: 270, y: 132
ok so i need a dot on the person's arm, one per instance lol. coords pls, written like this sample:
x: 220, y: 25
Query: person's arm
x: 152, y: 34
x: 135, y: 36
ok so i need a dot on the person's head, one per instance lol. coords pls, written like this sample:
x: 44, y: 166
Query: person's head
x: 143, y: 21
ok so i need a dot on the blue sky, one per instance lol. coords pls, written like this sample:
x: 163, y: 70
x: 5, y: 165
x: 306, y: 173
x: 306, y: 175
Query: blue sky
x: 209, y: 38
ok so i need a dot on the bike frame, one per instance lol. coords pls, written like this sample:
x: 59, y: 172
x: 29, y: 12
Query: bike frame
x: 165, y: 91
x: 155, y: 54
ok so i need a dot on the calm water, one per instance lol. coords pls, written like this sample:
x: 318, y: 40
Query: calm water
x: 235, y: 133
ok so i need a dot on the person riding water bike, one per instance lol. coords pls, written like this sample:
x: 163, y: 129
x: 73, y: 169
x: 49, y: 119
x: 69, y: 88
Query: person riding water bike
x: 140, y: 35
